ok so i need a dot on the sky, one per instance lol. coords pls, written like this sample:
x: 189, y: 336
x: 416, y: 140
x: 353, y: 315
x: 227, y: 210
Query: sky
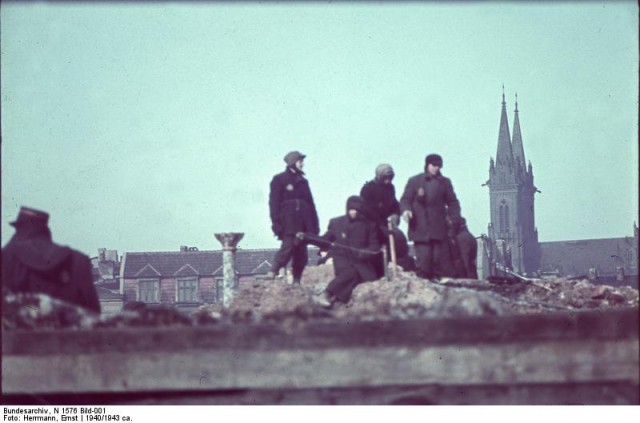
x: 147, y: 126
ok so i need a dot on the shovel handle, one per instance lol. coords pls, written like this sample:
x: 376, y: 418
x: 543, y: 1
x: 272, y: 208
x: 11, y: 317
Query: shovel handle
x: 392, y: 247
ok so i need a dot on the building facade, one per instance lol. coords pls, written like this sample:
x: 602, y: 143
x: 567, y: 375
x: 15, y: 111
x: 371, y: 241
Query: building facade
x: 612, y: 261
x: 187, y: 278
x: 512, y: 231
x: 512, y: 241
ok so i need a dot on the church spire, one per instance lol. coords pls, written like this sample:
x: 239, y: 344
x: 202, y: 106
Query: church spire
x: 504, y: 154
x: 518, y: 148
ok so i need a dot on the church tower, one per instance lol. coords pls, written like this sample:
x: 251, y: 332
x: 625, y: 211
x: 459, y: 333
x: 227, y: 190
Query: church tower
x: 511, y: 190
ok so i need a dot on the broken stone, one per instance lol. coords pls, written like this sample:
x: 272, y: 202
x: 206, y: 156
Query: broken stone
x: 38, y: 311
x: 405, y: 297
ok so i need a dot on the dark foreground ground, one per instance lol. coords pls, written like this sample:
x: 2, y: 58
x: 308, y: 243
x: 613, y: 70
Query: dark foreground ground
x: 406, y: 341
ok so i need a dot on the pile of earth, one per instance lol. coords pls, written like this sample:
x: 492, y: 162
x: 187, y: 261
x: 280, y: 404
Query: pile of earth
x: 408, y: 297
x: 405, y: 297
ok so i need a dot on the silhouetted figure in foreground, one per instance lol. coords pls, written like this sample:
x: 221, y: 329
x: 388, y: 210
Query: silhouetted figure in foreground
x: 33, y: 263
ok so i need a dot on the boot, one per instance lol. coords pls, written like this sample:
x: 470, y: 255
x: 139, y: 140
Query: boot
x: 296, y: 281
x: 271, y: 275
x: 324, y: 299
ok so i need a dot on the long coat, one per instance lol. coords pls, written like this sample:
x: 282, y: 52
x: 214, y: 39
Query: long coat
x: 429, y: 198
x: 355, y: 233
x: 468, y: 247
x: 291, y: 205
x: 37, y: 265
x: 379, y: 201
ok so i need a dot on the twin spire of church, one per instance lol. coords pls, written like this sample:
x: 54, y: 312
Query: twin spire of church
x: 504, y: 156
x: 510, y: 154
x: 511, y: 194
x: 516, y: 142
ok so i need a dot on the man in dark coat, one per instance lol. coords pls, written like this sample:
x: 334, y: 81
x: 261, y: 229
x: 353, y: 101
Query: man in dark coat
x: 427, y: 200
x: 292, y: 210
x: 33, y: 263
x: 353, y: 241
x: 464, y: 249
x: 381, y: 208
x: 379, y: 197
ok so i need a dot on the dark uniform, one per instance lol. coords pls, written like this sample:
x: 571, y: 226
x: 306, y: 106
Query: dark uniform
x: 380, y: 204
x: 430, y: 198
x: 32, y: 263
x: 464, y: 249
x: 292, y: 210
x: 351, y: 267
x: 379, y: 197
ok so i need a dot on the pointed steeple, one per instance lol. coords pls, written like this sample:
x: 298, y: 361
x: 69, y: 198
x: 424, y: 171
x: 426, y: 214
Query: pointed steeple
x: 504, y: 156
x: 516, y: 145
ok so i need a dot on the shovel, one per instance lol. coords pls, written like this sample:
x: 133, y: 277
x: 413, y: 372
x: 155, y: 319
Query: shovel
x: 392, y: 248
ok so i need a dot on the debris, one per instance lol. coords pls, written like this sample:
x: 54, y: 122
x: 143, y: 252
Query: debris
x: 406, y: 297
x: 40, y: 311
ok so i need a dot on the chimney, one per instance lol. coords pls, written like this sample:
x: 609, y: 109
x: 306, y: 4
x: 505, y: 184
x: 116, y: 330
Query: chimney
x: 101, y: 254
x: 184, y: 248
x: 229, y: 241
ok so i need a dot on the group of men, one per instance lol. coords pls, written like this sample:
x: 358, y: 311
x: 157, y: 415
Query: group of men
x: 32, y: 262
x: 444, y: 247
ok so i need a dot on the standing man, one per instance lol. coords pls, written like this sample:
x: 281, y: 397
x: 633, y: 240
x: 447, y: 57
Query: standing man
x: 464, y: 249
x: 382, y: 208
x: 292, y: 210
x: 379, y: 197
x: 353, y: 241
x: 33, y: 263
x: 427, y: 200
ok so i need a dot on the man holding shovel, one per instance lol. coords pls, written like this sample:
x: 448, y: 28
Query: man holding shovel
x: 382, y: 209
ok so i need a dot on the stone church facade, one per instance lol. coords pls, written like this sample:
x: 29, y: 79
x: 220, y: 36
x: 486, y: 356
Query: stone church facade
x: 513, y: 243
x: 512, y: 231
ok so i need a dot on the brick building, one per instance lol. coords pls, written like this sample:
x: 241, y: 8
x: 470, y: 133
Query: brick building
x: 187, y: 278
x: 613, y: 261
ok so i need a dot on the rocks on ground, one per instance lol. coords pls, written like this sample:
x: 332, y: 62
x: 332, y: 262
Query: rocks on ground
x: 405, y: 297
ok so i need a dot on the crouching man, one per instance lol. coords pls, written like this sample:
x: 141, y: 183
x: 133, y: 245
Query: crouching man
x: 352, y: 241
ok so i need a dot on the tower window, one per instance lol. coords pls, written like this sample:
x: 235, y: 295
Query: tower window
x: 504, y: 217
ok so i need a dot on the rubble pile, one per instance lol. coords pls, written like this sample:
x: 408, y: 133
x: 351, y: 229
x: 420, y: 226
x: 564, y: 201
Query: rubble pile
x: 40, y: 311
x: 405, y: 297
x: 410, y: 297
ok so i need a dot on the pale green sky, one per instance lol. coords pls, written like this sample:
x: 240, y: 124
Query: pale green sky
x: 143, y: 127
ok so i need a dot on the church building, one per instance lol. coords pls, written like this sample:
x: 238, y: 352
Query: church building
x: 512, y: 242
x: 511, y: 189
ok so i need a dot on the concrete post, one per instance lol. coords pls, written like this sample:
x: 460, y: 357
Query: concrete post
x: 229, y: 241
x: 620, y: 273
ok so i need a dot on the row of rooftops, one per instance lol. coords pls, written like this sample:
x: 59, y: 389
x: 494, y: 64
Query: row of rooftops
x: 576, y: 257
x: 193, y: 262
x: 570, y: 257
